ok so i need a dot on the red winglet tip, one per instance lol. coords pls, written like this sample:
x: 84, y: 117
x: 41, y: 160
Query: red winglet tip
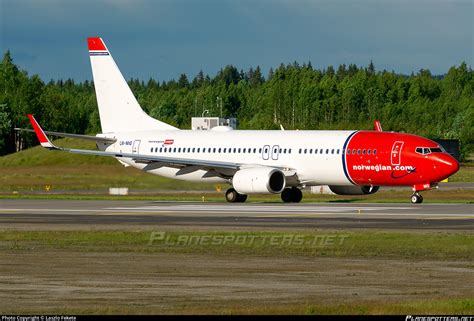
x: 39, y: 132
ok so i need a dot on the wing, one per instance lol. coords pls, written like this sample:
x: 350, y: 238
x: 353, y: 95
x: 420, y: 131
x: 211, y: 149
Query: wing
x: 109, y: 140
x: 191, y: 164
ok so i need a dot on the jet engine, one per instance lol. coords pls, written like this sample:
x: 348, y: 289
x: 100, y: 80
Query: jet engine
x: 259, y: 180
x: 353, y: 190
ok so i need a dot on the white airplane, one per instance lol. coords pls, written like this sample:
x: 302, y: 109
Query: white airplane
x: 265, y: 161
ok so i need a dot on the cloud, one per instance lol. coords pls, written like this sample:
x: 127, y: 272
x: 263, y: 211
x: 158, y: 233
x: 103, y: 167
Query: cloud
x: 163, y: 39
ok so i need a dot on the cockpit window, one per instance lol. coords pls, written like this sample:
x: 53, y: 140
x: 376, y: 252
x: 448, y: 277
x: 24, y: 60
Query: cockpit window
x: 429, y: 150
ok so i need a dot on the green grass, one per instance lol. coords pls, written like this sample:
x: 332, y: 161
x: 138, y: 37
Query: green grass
x: 367, y: 244
x: 456, y: 306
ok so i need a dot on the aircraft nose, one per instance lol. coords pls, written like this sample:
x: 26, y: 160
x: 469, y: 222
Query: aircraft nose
x: 444, y: 166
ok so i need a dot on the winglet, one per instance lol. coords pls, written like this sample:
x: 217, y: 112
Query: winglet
x: 44, y: 141
x: 377, y: 126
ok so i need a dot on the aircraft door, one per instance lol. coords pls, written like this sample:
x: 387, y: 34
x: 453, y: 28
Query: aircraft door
x: 136, y: 146
x: 396, y: 154
x: 275, y: 152
x: 266, y: 152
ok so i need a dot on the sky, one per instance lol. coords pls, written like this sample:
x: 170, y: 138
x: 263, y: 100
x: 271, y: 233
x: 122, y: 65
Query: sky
x: 162, y: 39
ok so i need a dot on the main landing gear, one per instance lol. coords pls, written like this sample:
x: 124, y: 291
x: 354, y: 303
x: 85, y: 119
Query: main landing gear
x: 416, y: 198
x: 233, y: 197
x: 291, y: 195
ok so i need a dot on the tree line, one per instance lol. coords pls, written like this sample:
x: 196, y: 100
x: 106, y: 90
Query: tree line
x: 292, y: 95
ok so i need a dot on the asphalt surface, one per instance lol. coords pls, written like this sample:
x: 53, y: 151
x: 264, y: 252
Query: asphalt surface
x: 31, y: 213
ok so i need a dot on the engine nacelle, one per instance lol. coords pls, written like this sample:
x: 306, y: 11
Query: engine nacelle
x: 259, y: 180
x: 354, y: 190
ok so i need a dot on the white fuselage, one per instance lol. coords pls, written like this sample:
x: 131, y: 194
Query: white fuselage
x: 269, y: 148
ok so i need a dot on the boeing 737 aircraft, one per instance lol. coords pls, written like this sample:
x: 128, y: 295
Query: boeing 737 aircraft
x: 266, y: 161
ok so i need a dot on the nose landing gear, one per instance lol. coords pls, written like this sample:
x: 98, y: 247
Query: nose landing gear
x: 416, y: 198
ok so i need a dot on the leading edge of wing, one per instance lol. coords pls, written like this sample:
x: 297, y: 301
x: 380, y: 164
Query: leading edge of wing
x: 78, y: 136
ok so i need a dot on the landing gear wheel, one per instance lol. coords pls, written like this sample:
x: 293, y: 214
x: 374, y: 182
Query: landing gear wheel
x: 291, y: 195
x: 286, y: 195
x: 296, y: 195
x: 233, y: 197
x: 416, y: 198
x: 242, y: 198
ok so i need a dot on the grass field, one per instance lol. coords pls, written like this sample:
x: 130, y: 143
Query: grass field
x: 439, y: 245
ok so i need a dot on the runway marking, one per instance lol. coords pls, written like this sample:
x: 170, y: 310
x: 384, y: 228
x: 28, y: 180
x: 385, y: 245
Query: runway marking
x: 262, y: 212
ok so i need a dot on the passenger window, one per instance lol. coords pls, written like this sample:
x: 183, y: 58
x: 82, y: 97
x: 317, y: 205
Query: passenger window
x: 315, y: 150
x: 363, y: 152
x: 327, y: 151
x: 161, y: 149
x: 375, y: 151
x: 254, y: 150
x: 305, y: 150
x: 289, y: 151
x: 194, y: 149
x: 332, y: 151
x: 358, y: 152
x: 369, y: 151
x: 299, y: 151
x: 337, y: 151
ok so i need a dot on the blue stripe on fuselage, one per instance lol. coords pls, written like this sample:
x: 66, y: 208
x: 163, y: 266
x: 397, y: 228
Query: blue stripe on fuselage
x: 344, y: 153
